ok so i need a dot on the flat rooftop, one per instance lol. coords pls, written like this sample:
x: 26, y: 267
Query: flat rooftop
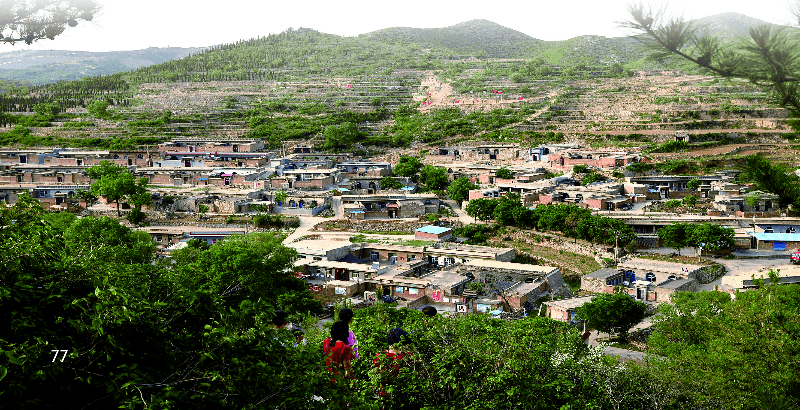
x: 445, y: 279
x: 659, y: 266
x: 569, y: 304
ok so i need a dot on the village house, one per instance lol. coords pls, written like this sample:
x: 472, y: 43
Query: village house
x: 564, y: 310
x: 193, y: 144
x: 479, y: 153
x: 299, y: 203
x: 364, y: 168
x: 593, y: 158
x: 307, y: 179
x: 433, y: 233
x: 389, y: 205
x: 545, y: 153
x: 645, y: 279
x: 775, y: 241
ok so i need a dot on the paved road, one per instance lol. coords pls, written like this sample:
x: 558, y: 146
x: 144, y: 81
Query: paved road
x: 306, y: 224
x: 616, y: 351
x: 463, y: 217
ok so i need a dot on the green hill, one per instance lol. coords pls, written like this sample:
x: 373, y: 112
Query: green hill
x: 474, y: 37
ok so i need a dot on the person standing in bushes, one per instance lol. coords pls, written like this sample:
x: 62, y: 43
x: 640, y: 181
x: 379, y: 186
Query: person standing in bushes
x: 337, y: 351
x: 389, y: 361
x: 346, y: 315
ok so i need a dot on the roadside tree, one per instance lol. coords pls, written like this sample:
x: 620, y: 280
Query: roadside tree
x: 481, y: 208
x: 458, y: 189
x: 674, y: 236
x: 612, y: 313
x: 504, y: 173
x: 434, y: 178
x: 115, y: 182
x: 710, y: 237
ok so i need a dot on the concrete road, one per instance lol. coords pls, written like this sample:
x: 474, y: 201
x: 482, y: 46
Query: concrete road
x: 306, y: 224
x: 463, y: 217
x: 616, y: 351
x: 747, y: 267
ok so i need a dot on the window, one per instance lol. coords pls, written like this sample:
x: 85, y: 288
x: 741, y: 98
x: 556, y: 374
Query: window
x: 412, y: 257
x: 159, y: 238
x: 374, y: 255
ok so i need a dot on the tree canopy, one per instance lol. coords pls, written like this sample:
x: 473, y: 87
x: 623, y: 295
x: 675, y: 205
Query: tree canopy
x: 460, y: 187
x: 434, y: 178
x: 389, y: 182
x: 34, y: 20
x: 90, y: 314
x: 774, y: 178
x: 612, y: 312
x: 341, y: 136
x: 746, y: 349
x: 504, y: 173
x: 114, y: 182
x: 407, y: 166
x: 704, y: 235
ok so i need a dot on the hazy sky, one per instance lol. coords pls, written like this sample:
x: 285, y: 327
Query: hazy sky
x: 137, y: 24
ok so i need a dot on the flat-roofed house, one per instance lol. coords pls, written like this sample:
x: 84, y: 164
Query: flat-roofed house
x: 433, y: 233
x: 564, y: 310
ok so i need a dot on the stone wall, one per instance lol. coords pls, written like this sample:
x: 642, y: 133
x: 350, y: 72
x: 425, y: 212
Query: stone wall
x: 299, y: 211
x: 595, y: 285
x: 709, y: 273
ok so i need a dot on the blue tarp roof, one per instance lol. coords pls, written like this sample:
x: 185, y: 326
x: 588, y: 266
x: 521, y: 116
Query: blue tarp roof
x: 436, y: 230
x: 778, y: 237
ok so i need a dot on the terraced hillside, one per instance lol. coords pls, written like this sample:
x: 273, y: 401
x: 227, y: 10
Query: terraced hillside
x: 372, y: 93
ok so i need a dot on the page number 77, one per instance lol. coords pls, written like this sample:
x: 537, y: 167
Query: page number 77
x: 57, y: 353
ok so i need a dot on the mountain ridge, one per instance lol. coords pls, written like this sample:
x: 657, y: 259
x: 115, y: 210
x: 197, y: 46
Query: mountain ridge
x: 479, y: 38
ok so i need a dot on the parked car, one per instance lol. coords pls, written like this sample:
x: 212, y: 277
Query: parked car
x: 794, y: 257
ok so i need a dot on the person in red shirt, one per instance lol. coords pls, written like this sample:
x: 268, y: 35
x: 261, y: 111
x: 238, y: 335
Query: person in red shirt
x: 337, y: 351
x: 396, y: 337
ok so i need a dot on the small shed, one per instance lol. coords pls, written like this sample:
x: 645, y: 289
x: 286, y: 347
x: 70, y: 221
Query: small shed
x: 776, y: 241
x: 431, y: 232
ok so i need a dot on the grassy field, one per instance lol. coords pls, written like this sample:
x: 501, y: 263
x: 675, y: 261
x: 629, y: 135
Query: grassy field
x: 570, y: 264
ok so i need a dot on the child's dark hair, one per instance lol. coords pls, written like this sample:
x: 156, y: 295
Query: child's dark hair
x: 339, y: 331
x: 280, y: 318
x: 398, y: 335
x: 345, y: 314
